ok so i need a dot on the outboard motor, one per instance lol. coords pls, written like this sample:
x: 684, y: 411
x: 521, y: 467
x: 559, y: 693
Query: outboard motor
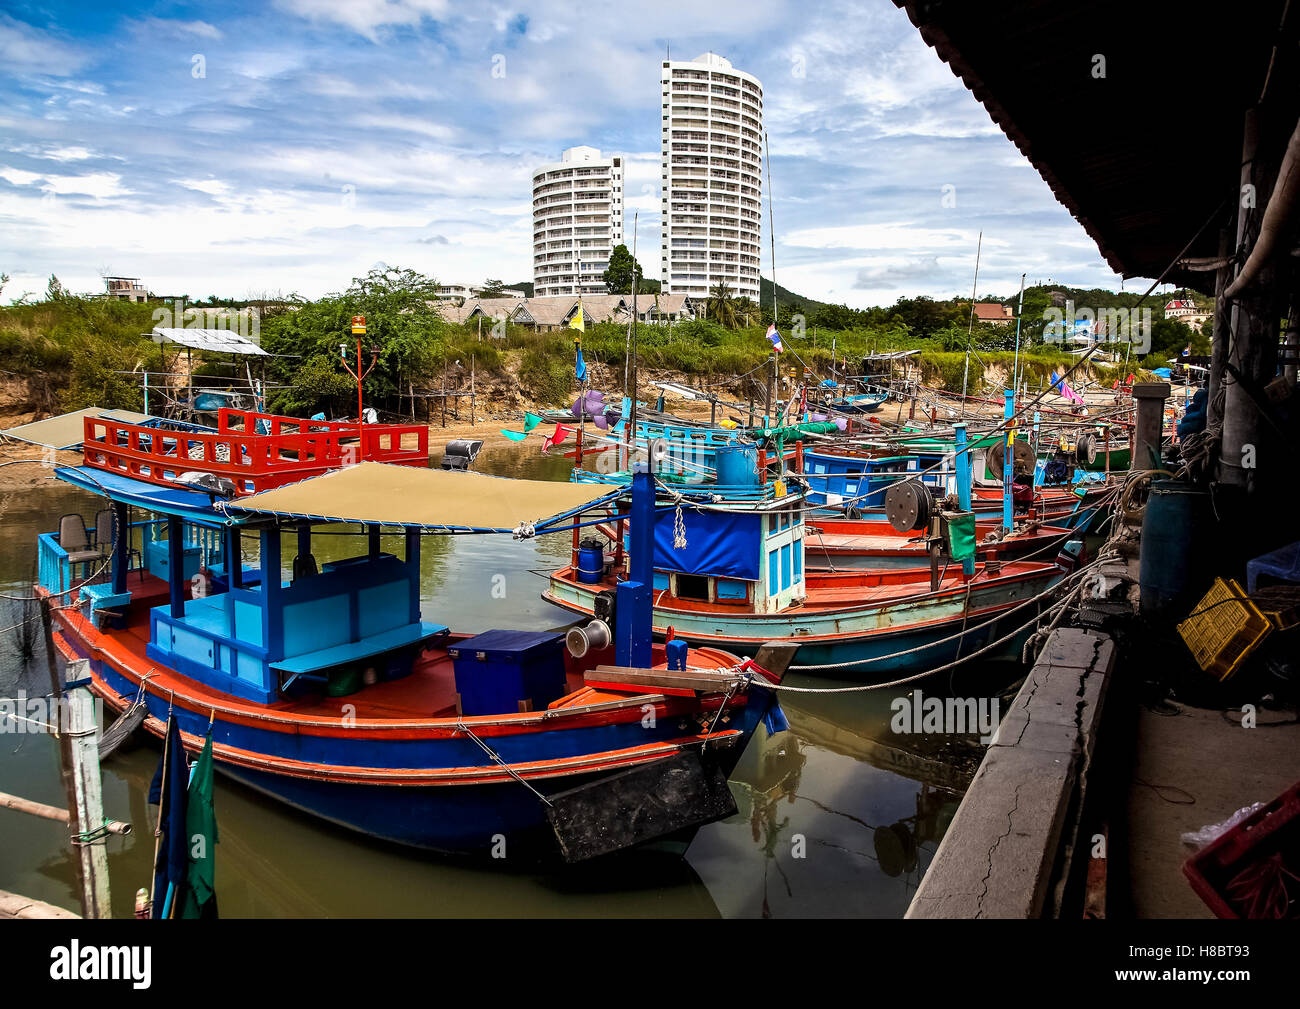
x: 460, y: 454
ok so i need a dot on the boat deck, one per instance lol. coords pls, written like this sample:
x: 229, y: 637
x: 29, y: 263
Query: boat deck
x: 428, y: 692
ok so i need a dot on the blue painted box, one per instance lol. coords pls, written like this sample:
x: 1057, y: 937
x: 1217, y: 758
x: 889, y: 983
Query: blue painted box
x: 503, y: 672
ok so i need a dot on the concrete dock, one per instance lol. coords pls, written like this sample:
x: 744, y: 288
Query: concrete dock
x: 1013, y: 836
x: 1194, y: 767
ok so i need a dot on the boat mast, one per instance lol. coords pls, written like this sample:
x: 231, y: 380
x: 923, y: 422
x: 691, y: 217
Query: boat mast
x: 631, y: 349
x: 1015, y: 367
x: 771, y: 236
x: 970, y: 327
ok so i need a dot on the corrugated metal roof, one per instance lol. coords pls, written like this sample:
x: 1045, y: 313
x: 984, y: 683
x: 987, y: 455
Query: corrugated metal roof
x: 221, y: 341
x: 1087, y: 88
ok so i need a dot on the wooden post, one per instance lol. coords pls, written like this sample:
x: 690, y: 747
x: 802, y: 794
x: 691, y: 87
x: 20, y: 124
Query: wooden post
x: 83, y: 734
x: 444, y: 392
x: 472, y: 421
x: 94, y: 888
x: 1221, y: 334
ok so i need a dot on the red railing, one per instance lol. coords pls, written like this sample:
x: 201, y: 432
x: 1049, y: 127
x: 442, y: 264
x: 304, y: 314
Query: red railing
x: 256, y: 451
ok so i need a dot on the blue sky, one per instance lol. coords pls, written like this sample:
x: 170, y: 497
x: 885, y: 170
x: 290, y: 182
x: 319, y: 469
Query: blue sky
x: 243, y: 148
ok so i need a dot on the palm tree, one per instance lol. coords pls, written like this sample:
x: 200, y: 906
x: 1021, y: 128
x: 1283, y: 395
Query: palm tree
x: 747, y: 313
x: 722, y: 306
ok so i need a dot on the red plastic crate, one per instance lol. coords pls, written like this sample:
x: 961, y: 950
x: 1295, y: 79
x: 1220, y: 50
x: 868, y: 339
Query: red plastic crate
x: 1270, y: 829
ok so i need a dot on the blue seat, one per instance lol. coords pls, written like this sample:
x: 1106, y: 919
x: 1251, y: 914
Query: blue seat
x: 351, y: 651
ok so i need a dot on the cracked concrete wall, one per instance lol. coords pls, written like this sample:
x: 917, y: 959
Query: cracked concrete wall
x: 997, y: 856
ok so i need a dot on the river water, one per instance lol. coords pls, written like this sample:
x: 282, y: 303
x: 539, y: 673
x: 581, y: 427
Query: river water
x: 839, y: 816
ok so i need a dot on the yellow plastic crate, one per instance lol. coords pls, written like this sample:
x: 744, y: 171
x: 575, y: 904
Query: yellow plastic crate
x: 1281, y: 604
x: 1224, y: 629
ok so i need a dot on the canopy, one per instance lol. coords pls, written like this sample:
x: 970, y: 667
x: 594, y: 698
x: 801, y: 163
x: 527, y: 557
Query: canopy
x: 384, y: 494
x: 191, y: 505
x: 224, y: 341
x: 68, y: 429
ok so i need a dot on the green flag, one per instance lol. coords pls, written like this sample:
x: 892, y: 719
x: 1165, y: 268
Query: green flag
x: 531, y: 420
x: 200, y: 899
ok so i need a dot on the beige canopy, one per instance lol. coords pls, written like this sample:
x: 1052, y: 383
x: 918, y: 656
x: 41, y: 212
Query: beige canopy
x: 66, y: 430
x: 381, y: 493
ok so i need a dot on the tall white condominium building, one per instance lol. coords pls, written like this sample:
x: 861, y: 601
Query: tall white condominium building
x: 712, y: 177
x: 577, y: 221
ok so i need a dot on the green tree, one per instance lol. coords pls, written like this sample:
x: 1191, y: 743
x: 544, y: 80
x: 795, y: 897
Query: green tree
x: 492, y: 289
x: 402, y: 324
x: 622, y: 271
x: 722, y: 306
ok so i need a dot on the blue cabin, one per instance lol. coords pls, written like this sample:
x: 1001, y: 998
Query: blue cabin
x: 244, y: 630
x: 750, y: 558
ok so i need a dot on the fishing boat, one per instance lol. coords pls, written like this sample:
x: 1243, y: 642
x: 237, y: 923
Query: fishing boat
x: 732, y: 574
x: 246, y: 452
x: 854, y: 483
x: 330, y: 691
x: 836, y: 543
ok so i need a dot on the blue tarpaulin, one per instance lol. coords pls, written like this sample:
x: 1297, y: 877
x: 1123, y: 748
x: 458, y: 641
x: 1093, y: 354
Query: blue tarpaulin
x: 717, y: 543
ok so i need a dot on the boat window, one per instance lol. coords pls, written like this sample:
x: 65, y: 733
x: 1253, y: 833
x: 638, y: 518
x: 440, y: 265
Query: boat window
x: 729, y: 589
x: 772, y: 562
x: 692, y: 587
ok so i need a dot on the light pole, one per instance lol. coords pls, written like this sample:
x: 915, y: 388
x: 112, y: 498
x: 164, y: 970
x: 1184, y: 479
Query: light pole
x: 358, y: 330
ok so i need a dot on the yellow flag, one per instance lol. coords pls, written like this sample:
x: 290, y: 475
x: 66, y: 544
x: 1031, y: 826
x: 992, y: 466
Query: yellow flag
x: 577, y: 322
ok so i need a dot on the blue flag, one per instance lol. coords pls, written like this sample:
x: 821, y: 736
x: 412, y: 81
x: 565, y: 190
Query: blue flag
x: 168, y: 790
x: 582, y: 367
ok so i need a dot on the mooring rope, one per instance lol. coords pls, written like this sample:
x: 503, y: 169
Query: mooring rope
x: 1055, y: 589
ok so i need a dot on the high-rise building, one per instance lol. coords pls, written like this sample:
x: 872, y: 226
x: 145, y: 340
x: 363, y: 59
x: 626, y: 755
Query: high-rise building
x: 577, y: 221
x: 712, y: 178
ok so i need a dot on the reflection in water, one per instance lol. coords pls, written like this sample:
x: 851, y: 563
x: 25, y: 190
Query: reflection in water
x: 838, y: 815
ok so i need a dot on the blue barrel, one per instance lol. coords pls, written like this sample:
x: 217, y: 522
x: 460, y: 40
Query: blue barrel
x: 591, y: 562
x: 737, y: 465
x: 1177, y: 531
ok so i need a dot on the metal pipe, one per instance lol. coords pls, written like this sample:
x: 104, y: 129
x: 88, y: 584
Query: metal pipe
x: 1277, y: 216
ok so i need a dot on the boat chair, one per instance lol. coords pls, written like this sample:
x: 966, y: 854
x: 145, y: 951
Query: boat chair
x: 73, y: 539
x: 304, y: 566
x: 105, y: 523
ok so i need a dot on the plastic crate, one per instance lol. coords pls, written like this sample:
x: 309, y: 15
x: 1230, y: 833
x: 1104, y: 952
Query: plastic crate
x: 1280, y: 603
x: 1224, y: 629
x: 1271, y: 830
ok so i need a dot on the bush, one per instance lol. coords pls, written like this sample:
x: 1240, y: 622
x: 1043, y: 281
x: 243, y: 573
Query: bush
x: 545, y: 377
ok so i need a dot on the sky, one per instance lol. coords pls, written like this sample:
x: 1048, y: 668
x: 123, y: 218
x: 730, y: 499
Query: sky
x: 244, y: 149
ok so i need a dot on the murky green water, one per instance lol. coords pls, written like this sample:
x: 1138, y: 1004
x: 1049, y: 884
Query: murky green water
x: 838, y: 817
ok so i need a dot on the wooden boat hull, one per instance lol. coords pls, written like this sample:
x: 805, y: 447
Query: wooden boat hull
x: 874, y: 641
x: 421, y: 781
x: 840, y: 544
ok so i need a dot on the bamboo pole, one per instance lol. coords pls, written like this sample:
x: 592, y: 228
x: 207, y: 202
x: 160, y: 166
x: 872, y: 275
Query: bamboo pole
x: 47, y: 812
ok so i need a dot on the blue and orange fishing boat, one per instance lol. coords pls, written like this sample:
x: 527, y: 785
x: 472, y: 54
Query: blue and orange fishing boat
x: 329, y: 690
x: 733, y: 574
